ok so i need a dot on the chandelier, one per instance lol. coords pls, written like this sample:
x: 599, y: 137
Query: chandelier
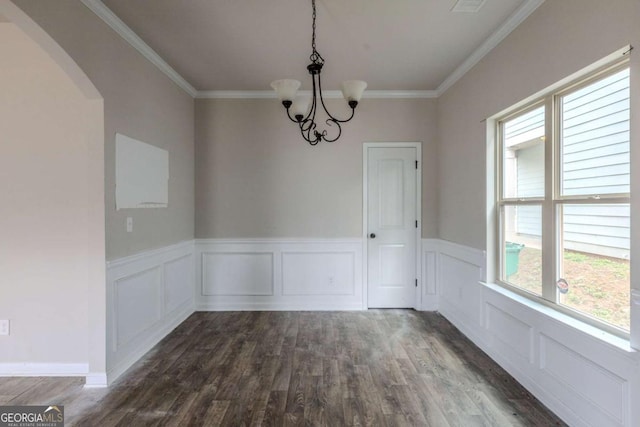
x: 302, y: 109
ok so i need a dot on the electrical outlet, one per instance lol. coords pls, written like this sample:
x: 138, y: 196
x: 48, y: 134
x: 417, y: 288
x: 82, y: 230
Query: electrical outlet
x: 129, y: 224
x: 331, y: 281
x: 4, y: 327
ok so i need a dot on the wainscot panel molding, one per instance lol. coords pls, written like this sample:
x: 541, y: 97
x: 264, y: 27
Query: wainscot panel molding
x: 148, y: 295
x: 279, y: 274
x: 586, y: 376
x: 429, y: 295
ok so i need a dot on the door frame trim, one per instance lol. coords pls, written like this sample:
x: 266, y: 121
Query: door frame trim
x: 417, y: 305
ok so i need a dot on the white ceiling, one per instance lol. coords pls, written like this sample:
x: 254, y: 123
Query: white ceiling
x: 242, y: 45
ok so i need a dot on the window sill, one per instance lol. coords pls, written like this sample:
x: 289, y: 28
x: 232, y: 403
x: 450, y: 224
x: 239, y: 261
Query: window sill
x: 618, y: 343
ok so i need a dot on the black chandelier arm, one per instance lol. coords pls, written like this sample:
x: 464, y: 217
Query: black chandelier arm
x: 333, y: 119
x: 308, y: 124
x: 352, y: 104
x: 314, y: 102
x: 287, y: 105
x: 294, y: 120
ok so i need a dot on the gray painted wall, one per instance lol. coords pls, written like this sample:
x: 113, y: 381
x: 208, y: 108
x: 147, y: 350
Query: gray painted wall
x: 557, y: 40
x: 257, y: 178
x: 139, y: 101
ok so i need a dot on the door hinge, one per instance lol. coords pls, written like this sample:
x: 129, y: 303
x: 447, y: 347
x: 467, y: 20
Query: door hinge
x: 416, y: 223
x: 416, y: 283
x: 416, y: 164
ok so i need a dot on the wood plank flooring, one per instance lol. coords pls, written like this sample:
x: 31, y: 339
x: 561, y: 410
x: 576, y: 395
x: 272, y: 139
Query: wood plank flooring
x: 377, y: 367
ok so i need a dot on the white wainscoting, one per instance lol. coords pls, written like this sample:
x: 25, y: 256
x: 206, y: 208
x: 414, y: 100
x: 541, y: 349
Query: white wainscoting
x: 148, y: 295
x: 270, y: 274
x: 587, y: 377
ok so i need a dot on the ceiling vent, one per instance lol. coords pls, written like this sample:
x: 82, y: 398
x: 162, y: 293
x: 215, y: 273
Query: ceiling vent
x: 468, y: 6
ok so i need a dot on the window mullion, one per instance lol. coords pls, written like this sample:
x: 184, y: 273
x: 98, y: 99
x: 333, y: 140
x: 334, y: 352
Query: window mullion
x: 563, y: 182
x: 549, y: 221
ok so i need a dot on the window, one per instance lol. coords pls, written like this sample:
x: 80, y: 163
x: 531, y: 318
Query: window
x: 563, y: 191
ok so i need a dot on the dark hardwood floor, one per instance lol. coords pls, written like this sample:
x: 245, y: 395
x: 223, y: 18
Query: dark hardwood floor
x: 378, y: 367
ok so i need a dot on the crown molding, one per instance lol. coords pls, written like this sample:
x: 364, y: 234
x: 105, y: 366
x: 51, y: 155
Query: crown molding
x: 135, y: 41
x: 397, y: 94
x: 237, y: 94
x: 329, y: 94
x: 110, y: 18
x: 490, y: 43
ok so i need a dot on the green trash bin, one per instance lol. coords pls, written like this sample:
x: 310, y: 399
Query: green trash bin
x: 512, y: 257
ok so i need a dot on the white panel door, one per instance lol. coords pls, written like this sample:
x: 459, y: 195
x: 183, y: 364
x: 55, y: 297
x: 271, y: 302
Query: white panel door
x: 391, y: 220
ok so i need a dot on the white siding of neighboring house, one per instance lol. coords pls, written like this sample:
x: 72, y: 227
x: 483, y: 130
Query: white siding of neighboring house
x: 595, y: 161
x: 595, y: 131
x: 530, y: 171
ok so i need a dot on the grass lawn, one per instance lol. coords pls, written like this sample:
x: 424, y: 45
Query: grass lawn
x: 599, y: 286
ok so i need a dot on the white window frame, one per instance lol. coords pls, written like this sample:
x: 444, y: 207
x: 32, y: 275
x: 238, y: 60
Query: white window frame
x: 552, y: 201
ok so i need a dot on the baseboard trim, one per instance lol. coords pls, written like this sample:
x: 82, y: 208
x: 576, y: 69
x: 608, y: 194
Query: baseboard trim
x: 96, y: 380
x: 431, y: 304
x: 278, y: 307
x: 43, y: 369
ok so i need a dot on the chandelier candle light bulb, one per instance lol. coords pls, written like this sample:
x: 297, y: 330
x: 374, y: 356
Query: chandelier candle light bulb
x: 300, y: 107
x: 352, y: 90
x: 286, y: 89
x: 302, y: 110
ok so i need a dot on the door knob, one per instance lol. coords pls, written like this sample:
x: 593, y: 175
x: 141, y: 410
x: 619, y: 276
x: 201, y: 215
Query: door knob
x: 372, y: 235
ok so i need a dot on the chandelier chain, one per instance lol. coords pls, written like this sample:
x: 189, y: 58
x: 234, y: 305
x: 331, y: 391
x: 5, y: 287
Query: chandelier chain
x: 313, y: 36
x: 315, y: 56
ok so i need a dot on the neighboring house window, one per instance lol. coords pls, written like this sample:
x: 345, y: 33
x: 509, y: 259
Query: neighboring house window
x: 563, y: 193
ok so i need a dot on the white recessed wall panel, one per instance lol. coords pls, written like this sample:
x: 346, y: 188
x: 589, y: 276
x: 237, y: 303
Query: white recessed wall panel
x: 274, y: 274
x: 137, y: 304
x: 178, y: 283
x: 583, y: 384
x: 429, y: 279
x: 509, y: 333
x: 318, y: 273
x: 148, y: 294
x: 461, y: 274
x: 462, y: 293
x: 237, y: 274
x: 429, y: 276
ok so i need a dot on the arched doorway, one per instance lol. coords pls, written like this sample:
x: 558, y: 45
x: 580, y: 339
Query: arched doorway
x: 53, y: 214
